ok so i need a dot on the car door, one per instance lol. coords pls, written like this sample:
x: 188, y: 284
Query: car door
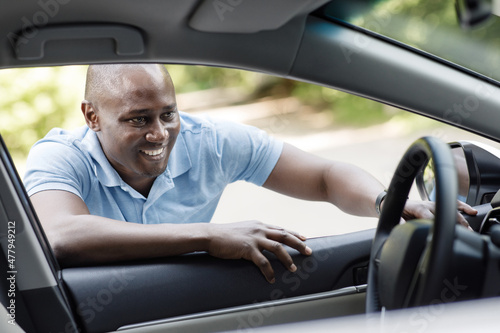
x: 32, y: 291
x: 193, y: 292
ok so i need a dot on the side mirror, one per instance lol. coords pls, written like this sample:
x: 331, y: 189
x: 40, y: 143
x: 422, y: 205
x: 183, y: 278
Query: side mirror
x: 478, y: 169
x: 471, y: 13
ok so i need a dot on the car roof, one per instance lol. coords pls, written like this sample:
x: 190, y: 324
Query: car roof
x: 259, y: 34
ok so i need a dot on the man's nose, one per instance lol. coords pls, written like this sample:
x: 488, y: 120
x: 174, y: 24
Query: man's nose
x: 157, y: 132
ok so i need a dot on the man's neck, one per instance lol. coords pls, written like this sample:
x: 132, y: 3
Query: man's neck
x: 143, y: 186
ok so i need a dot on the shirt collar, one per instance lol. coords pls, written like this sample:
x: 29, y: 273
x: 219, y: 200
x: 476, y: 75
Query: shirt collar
x: 179, y: 160
x: 103, y: 170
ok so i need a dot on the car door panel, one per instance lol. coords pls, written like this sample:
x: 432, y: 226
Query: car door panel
x: 111, y: 296
x: 342, y: 302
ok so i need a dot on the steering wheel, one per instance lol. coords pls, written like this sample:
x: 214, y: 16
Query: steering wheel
x: 409, y: 261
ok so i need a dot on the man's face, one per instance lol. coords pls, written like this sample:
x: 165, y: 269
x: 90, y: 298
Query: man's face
x: 138, y: 123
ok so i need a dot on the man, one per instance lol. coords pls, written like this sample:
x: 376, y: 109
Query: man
x: 141, y: 160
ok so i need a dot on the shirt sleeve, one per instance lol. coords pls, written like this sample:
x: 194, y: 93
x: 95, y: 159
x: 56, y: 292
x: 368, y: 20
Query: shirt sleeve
x: 56, y: 166
x: 246, y: 153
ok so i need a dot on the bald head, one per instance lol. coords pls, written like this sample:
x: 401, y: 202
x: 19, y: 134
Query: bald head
x: 110, y: 81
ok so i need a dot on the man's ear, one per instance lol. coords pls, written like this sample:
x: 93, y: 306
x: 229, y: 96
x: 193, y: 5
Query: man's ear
x: 90, y: 115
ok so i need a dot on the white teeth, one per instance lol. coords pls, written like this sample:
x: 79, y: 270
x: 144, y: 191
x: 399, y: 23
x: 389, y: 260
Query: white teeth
x: 153, y: 152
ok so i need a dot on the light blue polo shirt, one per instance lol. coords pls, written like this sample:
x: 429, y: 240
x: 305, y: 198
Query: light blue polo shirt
x: 208, y: 155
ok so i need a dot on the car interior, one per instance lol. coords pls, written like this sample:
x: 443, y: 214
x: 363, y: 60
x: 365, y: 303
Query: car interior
x: 391, y: 267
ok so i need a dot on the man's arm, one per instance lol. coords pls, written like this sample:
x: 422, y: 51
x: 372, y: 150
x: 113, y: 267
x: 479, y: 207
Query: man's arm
x: 350, y: 188
x: 306, y: 176
x: 80, y: 238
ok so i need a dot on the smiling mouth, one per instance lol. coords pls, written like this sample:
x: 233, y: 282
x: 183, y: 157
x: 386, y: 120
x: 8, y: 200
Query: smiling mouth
x: 153, y: 152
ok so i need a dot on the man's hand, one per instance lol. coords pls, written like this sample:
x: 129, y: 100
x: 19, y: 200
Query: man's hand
x: 247, y: 240
x: 426, y: 209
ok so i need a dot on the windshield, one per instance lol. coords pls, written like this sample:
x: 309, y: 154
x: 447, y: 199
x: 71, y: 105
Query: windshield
x: 430, y: 26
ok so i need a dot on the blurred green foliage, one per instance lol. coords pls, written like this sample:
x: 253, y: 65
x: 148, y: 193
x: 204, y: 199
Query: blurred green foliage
x: 194, y: 78
x: 433, y: 27
x: 347, y: 109
x: 34, y: 100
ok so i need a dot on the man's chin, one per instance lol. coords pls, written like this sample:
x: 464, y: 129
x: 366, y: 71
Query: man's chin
x: 153, y: 173
x: 151, y: 168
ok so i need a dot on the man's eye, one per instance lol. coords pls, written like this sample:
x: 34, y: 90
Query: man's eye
x: 138, y: 120
x: 168, y: 115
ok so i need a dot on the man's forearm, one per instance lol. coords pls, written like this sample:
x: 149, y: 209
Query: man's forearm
x: 86, y: 239
x: 306, y: 176
x: 352, y: 189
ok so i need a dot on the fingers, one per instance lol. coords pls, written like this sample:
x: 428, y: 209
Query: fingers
x: 289, y: 238
x: 461, y: 220
x: 462, y: 206
x: 426, y: 210
x: 467, y: 209
x: 248, y: 239
x: 275, y: 238
x: 264, y: 265
x: 418, y: 209
x: 425, y: 214
x: 296, y: 234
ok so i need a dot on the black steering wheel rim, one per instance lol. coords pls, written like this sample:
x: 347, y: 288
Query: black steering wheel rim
x: 442, y: 232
